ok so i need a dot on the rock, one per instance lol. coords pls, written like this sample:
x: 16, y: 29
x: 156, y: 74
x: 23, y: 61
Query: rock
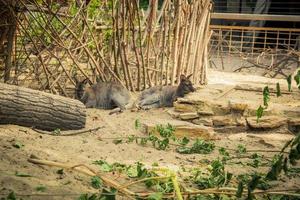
x: 294, y: 125
x: 188, y: 116
x: 184, y: 107
x: 226, y: 120
x: 266, y: 122
x: 182, y: 129
x: 237, y: 105
x: 230, y: 129
x: 173, y: 113
x: 207, y: 112
x: 292, y: 112
x: 203, y: 121
x: 241, y: 121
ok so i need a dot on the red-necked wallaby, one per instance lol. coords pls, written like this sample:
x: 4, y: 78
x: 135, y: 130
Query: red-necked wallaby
x: 164, y: 96
x: 104, y: 95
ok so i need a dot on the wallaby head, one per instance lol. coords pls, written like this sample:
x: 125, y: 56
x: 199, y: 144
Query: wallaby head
x: 185, y: 86
x: 80, y: 88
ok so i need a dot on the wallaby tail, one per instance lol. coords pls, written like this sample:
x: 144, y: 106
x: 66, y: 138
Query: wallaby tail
x: 116, y: 110
x: 132, y: 105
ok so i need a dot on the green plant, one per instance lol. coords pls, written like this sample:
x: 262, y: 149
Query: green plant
x: 297, y: 79
x: 259, y: 113
x: 200, y: 146
x: 20, y: 174
x: 41, y: 188
x: 18, y: 145
x: 224, y: 153
x: 217, y: 177
x: 11, y: 196
x: 289, y: 82
x: 137, y: 124
x: 96, y: 182
x: 278, y: 91
x: 266, y: 96
x: 241, y: 149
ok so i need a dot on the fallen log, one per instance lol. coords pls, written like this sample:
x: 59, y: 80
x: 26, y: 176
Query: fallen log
x: 32, y: 108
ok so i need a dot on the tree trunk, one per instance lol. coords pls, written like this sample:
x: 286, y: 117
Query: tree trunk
x: 32, y: 108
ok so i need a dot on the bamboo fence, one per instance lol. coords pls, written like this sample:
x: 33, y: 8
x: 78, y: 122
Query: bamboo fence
x: 112, y: 41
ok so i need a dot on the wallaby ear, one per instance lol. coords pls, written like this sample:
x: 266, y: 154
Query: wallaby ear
x: 85, y: 81
x: 182, y: 77
x: 189, y: 76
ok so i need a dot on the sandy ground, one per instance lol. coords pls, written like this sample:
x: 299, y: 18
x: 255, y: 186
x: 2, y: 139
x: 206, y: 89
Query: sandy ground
x: 88, y: 147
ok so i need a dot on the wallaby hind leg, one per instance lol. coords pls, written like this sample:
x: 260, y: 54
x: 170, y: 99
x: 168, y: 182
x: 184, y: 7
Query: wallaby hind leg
x: 148, y: 107
x: 90, y: 104
x: 120, y: 101
x: 149, y: 100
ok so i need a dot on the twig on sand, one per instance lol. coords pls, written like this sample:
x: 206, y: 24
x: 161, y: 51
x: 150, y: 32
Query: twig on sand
x: 68, y: 133
x: 82, y: 168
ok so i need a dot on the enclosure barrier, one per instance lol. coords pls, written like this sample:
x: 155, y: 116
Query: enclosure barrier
x: 55, y: 42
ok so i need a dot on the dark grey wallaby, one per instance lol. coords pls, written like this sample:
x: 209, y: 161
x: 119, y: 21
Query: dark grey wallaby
x: 164, y: 96
x: 104, y: 95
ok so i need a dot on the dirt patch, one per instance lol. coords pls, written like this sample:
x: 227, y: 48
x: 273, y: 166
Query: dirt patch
x: 89, y: 147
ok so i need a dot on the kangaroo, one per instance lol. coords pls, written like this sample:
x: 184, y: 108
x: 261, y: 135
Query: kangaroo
x: 164, y: 96
x: 104, y: 95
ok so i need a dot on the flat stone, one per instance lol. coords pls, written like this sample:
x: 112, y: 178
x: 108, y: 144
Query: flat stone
x: 226, y: 120
x: 292, y: 112
x: 184, y: 107
x: 173, y: 113
x: 188, y: 116
x: 203, y: 121
x: 294, y: 125
x: 266, y: 122
x: 182, y: 129
x: 207, y: 112
x: 230, y: 129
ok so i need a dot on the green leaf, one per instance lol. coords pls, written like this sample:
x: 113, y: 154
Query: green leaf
x: 252, y: 185
x: 56, y: 131
x: 20, y: 174
x: 200, y: 146
x: 137, y: 124
x: 156, y: 196
x: 11, y: 196
x: 117, y: 141
x: 96, y: 182
x: 278, y: 92
x: 240, y: 189
x: 275, y: 169
x: 286, y: 145
x: 266, y: 96
x: 130, y: 138
x: 241, y: 149
x: 41, y: 188
x: 18, y: 145
x: 60, y: 171
x: 289, y: 81
x: 259, y: 113
x: 297, y: 77
x: 132, y: 171
x: 108, y: 194
x: 104, y: 166
x: 184, y: 141
x: 224, y: 153
x: 183, y: 150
